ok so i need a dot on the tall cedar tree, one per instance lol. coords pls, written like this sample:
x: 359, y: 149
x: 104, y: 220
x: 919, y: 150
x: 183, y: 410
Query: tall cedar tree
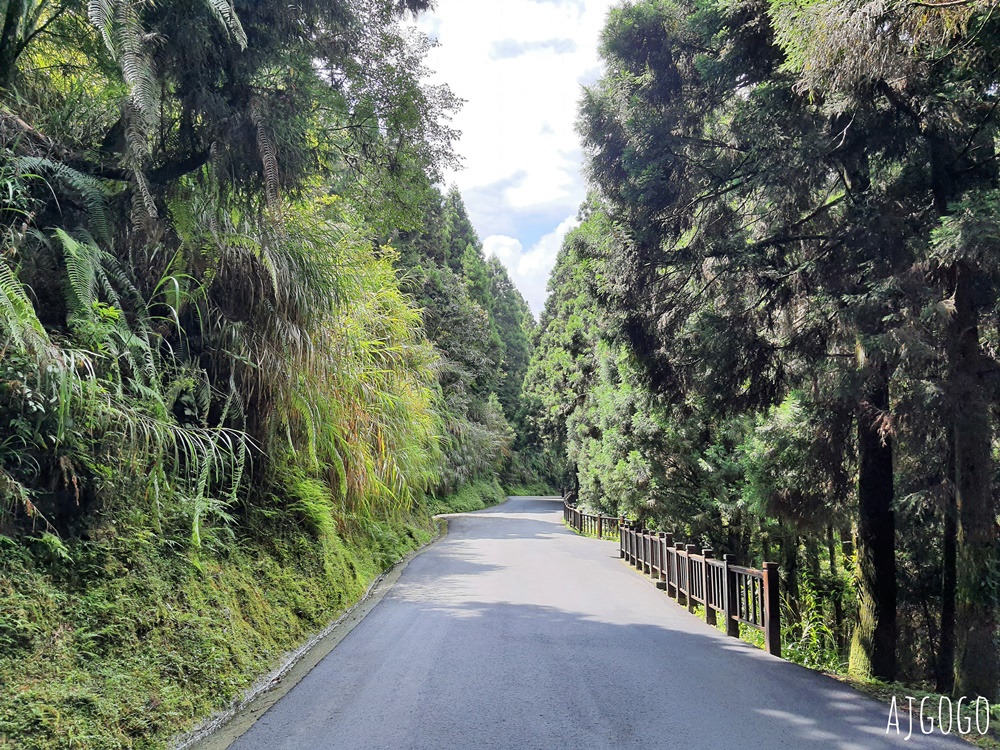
x: 930, y: 73
x: 748, y: 221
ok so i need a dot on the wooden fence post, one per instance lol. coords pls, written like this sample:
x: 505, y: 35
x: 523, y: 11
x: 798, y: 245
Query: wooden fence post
x: 669, y: 563
x: 706, y: 569
x: 647, y: 544
x: 621, y: 537
x: 661, y: 542
x: 731, y: 608
x: 681, y: 562
x: 691, y: 550
x: 772, y: 610
x: 600, y: 526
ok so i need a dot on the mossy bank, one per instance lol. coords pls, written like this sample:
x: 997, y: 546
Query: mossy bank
x: 127, y: 641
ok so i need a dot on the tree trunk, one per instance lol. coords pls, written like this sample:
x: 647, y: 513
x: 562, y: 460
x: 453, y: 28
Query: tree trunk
x: 945, y: 677
x: 873, y: 643
x: 836, y: 591
x: 976, y: 663
x: 812, y: 562
x: 765, y: 543
x: 790, y: 553
x: 10, y: 47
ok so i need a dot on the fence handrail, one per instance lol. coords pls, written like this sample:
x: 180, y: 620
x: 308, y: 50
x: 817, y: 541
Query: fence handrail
x: 738, y: 593
x: 590, y: 523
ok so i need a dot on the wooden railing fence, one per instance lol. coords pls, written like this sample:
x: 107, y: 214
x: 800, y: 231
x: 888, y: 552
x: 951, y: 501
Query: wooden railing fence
x: 604, y: 527
x: 739, y: 594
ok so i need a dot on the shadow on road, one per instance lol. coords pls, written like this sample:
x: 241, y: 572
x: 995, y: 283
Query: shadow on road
x: 513, y: 632
x: 520, y: 676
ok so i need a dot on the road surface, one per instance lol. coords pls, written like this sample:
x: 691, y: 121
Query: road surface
x: 514, y: 633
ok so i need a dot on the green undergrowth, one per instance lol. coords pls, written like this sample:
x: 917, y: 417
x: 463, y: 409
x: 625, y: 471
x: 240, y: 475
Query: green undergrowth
x: 531, y: 489
x: 127, y: 641
x: 475, y: 496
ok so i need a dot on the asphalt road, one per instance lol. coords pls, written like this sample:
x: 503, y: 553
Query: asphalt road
x: 513, y: 633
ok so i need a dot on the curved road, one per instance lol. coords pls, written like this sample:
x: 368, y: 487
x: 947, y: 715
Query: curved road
x: 512, y: 633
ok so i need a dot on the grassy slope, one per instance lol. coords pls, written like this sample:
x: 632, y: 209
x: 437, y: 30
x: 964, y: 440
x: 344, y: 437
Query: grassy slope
x: 476, y: 496
x: 132, y: 641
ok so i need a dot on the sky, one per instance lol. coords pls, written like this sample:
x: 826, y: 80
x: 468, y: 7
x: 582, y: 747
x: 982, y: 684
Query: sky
x: 520, y: 66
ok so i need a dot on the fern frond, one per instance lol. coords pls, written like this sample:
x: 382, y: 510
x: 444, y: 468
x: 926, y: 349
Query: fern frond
x: 268, y: 156
x: 18, y: 321
x: 89, y: 189
x: 136, y: 66
x: 82, y: 262
x: 147, y: 196
x: 102, y: 17
x: 226, y: 13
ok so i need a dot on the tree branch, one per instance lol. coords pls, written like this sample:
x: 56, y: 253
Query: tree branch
x: 947, y: 4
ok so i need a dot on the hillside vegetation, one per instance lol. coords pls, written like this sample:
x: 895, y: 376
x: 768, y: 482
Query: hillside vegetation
x: 247, y: 346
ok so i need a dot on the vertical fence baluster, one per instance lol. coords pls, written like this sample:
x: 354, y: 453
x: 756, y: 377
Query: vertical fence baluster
x: 746, y: 600
x: 772, y: 606
x: 707, y: 578
x: 661, y: 547
x: 668, y: 563
x: 691, y: 550
x: 732, y: 627
x: 647, y: 548
x: 681, y: 562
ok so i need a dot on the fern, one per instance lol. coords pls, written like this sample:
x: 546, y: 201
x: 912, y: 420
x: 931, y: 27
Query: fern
x: 268, y: 156
x: 83, y: 261
x: 18, y: 319
x: 90, y: 190
x: 102, y: 15
x: 226, y: 14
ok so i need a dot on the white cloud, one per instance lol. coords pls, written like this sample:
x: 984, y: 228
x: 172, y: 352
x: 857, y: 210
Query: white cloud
x: 529, y: 270
x: 519, y: 65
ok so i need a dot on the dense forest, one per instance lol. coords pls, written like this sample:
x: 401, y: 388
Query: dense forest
x: 249, y: 345
x: 775, y: 330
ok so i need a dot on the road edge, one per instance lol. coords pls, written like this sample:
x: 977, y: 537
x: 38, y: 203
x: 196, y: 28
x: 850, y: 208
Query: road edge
x: 223, y: 729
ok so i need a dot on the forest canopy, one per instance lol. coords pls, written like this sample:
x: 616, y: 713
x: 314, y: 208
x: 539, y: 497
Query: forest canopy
x: 250, y: 341
x: 775, y: 330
